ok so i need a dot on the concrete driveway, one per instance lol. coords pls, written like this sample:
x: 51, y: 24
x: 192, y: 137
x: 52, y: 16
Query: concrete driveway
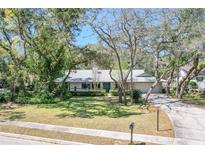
x: 188, y: 120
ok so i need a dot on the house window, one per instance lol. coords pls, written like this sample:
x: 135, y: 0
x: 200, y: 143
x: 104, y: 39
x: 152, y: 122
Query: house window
x: 199, y: 78
x: 84, y: 85
x: 98, y: 85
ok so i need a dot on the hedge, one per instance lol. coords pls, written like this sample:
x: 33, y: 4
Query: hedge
x: 36, y: 100
x: 115, y: 92
x: 88, y: 93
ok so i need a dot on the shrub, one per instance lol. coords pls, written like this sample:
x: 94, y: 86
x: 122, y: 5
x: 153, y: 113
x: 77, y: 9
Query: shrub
x: 42, y: 97
x: 36, y: 100
x: 2, y: 98
x: 24, y: 94
x: 193, y: 84
x: 66, y: 95
x: 5, y: 96
x: 45, y: 94
x: 88, y: 93
x: 137, y: 94
x: 115, y: 92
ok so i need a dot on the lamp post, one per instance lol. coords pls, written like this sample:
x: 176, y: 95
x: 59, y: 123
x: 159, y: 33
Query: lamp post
x: 131, y: 127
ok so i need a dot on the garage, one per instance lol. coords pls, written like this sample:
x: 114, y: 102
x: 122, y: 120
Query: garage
x: 145, y: 86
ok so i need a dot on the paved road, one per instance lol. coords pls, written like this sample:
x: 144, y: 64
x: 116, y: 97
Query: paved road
x: 14, y: 141
x: 188, y: 120
x: 97, y: 133
x: 20, y: 139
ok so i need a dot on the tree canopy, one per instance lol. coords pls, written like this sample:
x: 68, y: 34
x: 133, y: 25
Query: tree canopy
x: 38, y: 46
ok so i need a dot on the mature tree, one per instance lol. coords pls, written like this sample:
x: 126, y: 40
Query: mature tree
x: 11, y: 43
x: 169, y: 41
x: 192, y: 46
x: 121, y: 32
x: 42, y: 40
x: 51, y: 43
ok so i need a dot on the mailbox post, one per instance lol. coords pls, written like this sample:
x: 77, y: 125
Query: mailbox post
x: 131, y: 127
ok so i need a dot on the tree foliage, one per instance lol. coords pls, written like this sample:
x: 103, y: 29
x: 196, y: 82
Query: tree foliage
x: 39, y: 45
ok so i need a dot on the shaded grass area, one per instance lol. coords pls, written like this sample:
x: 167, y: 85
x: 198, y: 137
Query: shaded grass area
x: 89, y: 107
x: 92, y: 112
x: 197, y: 99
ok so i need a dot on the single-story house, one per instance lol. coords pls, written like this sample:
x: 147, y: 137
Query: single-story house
x: 100, y: 79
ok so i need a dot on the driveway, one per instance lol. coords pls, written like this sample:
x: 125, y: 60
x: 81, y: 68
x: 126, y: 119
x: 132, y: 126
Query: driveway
x: 188, y: 120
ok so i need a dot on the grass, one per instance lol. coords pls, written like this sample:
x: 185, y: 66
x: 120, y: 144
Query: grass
x: 197, y: 99
x: 92, y: 112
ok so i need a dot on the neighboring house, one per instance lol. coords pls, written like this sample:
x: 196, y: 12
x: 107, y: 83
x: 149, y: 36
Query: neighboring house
x: 100, y: 79
x: 200, y: 78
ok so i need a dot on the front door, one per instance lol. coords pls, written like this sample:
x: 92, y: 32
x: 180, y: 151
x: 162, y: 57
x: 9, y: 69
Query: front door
x: 106, y: 86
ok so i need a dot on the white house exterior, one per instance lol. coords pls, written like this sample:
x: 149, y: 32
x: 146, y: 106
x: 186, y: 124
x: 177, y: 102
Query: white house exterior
x: 100, y: 79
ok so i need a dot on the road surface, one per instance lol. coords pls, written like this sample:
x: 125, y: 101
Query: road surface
x: 20, y: 139
x: 14, y: 141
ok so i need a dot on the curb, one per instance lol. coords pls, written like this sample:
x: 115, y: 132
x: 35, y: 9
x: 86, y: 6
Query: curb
x: 40, y: 139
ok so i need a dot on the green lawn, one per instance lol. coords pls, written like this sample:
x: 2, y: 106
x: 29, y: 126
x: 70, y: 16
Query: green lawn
x: 194, y: 99
x: 92, y: 112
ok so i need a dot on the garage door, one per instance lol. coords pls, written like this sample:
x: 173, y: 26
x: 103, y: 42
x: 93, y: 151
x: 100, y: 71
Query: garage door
x: 144, y: 87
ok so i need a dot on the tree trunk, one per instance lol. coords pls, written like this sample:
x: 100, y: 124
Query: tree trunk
x: 120, y: 94
x: 169, y: 83
x: 186, y: 82
x: 153, y: 86
x: 181, y: 93
x: 131, y: 92
x: 193, y: 70
x: 177, y: 84
x: 150, y: 90
x: 13, y: 91
x: 62, y: 86
x: 124, y: 95
x: 168, y: 88
x: 120, y: 87
x: 181, y: 82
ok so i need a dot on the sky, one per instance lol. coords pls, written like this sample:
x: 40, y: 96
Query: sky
x: 86, y: 37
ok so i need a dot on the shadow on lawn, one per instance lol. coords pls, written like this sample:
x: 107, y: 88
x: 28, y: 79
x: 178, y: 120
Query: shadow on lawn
x: 90, y: 108
x: 10, y: 114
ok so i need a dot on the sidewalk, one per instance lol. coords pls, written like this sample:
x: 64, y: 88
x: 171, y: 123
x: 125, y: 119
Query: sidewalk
x: 26, y: 139
x: 104, y: 133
